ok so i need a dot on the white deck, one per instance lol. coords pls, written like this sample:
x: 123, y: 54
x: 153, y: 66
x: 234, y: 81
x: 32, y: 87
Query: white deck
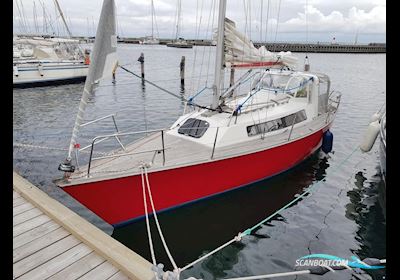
x: 181, y: 151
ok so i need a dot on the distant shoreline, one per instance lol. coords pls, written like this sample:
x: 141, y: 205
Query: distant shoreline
x: 319, y: 47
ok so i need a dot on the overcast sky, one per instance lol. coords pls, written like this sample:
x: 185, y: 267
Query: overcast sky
x: 282, y: 20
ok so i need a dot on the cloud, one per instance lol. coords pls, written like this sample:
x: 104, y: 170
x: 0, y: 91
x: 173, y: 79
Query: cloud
x: 134, y: 16
x: 373, y: 21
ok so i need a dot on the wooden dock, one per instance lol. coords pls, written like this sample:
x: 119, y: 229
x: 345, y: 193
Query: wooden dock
x: 52, y: 242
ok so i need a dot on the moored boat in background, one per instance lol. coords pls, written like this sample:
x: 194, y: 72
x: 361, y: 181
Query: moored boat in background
x: 151, y: 40
x: 42, y: 61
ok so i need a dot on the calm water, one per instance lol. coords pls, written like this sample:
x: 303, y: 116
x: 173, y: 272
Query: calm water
x: 343, y: 217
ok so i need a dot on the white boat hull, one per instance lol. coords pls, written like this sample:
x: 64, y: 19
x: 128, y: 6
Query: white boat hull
x: 29, y: 73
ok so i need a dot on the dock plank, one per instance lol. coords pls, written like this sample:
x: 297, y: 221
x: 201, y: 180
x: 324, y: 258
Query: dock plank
x: 38, y: 244
x: 118, y: 276
x: 58, y: 263
x: 25, y: 226
x: 79, y: 268
x: 18, y: 201
x: 101, y: 272
x: 22, y: 208
x: 16, y: 195
x: 25, y: 216
x: 44, y: 255
x: 34, y: 233
x: 59, y: 244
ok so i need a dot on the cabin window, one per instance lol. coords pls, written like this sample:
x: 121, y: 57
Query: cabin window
x: 194, y: 128
x: 277, y: 124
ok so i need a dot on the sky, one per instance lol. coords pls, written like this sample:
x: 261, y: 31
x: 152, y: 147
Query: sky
x: 348, y: 21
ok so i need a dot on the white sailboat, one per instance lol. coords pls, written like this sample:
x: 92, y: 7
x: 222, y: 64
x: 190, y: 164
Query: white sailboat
x: 237, y: 140
x: 39, y: 61
x: 151, y: 40
x: 179, y: 42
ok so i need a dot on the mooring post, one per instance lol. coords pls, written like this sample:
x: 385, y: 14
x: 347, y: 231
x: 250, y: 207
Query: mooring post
x: 232, y: 79
x: 141, y: 60
x: 306, y: 64
x: 182, y: 65
x: 113, y: 72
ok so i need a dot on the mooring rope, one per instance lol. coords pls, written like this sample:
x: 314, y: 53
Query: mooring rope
x: 249, y: 230
x: 30, y: 146
x: 153, y: 256
x: 157, y: 222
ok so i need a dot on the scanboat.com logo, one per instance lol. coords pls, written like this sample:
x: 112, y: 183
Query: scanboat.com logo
x: 333, y: 261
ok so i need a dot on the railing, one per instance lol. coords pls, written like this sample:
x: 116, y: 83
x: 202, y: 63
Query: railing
x: 92, y: 122
x: 97, y: 120
x: 334, y: 98
x: 101, y: 138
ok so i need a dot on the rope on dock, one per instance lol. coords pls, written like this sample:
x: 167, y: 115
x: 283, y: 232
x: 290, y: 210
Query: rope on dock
x: 249, y: 230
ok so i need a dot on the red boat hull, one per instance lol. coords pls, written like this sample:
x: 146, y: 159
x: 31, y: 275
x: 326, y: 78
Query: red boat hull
x: 120, y: 200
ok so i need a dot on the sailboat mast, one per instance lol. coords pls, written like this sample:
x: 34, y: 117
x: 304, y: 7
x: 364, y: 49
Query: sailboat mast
x: 62, y: 17
x: 152, y: 19
x: 178, y: 21
x: 219, y: 59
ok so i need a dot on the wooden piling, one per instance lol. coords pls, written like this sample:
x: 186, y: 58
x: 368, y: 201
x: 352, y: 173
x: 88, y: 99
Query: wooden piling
x: 113, y: 72
x: 141, y: 60
x: 182, y: 67
x: 232, y: 78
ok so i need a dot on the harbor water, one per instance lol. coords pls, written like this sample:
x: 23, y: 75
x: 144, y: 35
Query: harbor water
x: 344, y: 216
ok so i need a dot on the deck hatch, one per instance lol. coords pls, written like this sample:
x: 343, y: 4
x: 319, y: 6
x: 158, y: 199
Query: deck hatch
x: 194, y: 128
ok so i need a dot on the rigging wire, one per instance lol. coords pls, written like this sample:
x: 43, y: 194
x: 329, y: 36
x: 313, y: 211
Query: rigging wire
x: 21, y: 20
x: 266, y: 22
x: 155, y: 20
x: 277, y: 20
x: 197, y: 26
x: 209, y: 49
x: 306, y: 18
x: 261, y: 19
x: 173, y: 94
x: 204, y: 48
x: 24, y: 17
x: 35, y: 18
